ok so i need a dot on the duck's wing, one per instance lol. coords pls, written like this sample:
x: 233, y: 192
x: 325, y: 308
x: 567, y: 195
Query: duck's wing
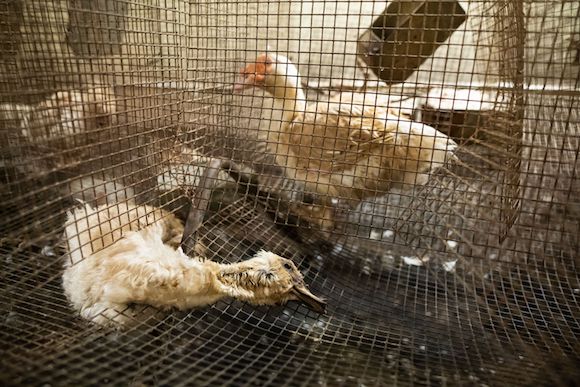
x: 334, y: 136
x: 364, y: 146
x: 423, y: 143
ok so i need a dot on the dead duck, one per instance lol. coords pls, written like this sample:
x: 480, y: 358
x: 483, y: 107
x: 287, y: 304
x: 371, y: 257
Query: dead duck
x: 106, y: 274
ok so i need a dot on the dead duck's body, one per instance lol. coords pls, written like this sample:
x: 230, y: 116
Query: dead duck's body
x: 106, y: 274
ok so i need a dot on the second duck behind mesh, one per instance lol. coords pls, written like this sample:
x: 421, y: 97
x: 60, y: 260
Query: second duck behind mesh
x: 350, y: 147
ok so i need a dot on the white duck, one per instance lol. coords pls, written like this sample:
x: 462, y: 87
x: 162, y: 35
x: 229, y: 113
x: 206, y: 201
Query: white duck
x: 349, y: 147
x: 106, y: 272
x: 67, y: 116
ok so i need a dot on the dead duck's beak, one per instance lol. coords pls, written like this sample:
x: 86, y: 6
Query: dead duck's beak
x: 301, y: 292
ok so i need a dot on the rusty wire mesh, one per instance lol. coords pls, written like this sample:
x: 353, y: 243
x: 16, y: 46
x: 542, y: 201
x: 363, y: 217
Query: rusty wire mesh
x: 469, y: 279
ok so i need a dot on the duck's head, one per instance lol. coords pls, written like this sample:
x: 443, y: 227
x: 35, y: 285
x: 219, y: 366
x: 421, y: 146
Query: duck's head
x: 269, y: 279
x: 268, y: 71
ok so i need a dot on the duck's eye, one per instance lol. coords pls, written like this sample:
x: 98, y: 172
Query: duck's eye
x: 287, y: 266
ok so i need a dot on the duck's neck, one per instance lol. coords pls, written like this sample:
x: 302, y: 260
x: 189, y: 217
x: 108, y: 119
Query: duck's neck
x: 232, y: 280
x: 184, y: 284
x: 287, y: 91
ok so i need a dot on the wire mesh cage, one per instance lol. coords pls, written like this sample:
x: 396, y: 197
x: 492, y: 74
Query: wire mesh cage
x: 415, y: 160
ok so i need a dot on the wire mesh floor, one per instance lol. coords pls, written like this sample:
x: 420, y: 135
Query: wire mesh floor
x: 500, y: 321
x: 435, y: 287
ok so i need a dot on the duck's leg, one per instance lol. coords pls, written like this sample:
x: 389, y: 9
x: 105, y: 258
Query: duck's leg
x: 312, y: 207
x: 203, y: 193
x: 199, y: 204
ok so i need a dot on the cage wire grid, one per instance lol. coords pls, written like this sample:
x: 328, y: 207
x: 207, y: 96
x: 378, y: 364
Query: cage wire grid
x: 468, y: 279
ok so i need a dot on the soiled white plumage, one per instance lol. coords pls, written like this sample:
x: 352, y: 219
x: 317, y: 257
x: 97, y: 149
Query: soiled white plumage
x: 350, y: 147
x: 35, y: 135
x: 70, y: 112
x: 89, y: 229
x: 65, y: 117
x: 108, y: 272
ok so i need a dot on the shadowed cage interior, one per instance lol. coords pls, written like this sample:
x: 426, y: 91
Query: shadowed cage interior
x: 470, y: 278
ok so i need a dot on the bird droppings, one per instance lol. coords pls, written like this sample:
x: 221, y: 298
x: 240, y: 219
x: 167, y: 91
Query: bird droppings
x: 48, y: 251
x: 388, y: 233
x: 452, y: 244
x: 334, y: 201
x: 11, y: 318
x: 412, y: 261
x: 422, y: 347
x: 185, y: 170
x: 366, y: 270
x: 577, y: 291
x: 264, y: 341
x: 387, y: 260
x: 450, y: 266
x: 337, y: 248
x: 376, y: 235
x: 473, y: 378
x: 285, y: 314
x: 180, y: 176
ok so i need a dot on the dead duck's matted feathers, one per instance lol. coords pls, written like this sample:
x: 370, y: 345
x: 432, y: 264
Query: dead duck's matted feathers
x: 142, y: 268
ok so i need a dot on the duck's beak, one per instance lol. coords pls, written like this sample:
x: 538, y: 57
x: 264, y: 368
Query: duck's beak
x: 315, y: 303
x: 247, y: 79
